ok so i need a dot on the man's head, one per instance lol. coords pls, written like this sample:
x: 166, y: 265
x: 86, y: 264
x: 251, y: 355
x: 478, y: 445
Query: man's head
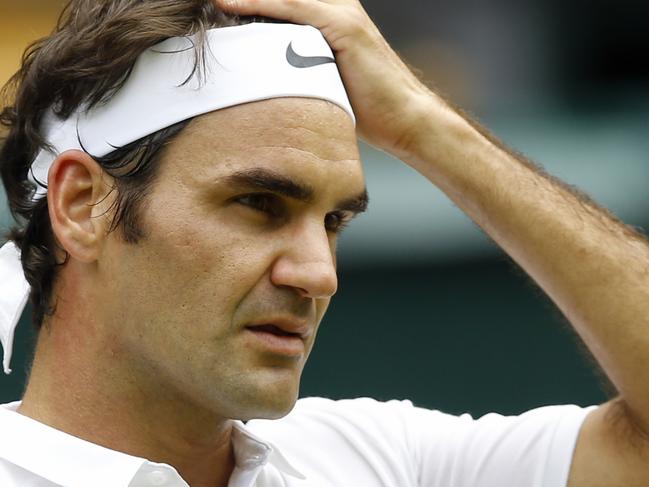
x: 226, y: 243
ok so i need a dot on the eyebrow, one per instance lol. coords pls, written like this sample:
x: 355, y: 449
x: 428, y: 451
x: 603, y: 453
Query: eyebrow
x: 267, y: 180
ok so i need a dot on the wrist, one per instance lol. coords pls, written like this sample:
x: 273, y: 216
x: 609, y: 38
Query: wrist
x: 438, y: 133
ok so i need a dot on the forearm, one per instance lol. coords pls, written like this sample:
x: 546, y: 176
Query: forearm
x: 593, y: 267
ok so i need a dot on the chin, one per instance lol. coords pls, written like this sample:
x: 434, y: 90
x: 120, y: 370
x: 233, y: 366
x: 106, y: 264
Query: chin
x: 272, y: 401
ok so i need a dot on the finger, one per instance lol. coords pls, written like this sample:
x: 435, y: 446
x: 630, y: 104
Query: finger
x: 312, y: 12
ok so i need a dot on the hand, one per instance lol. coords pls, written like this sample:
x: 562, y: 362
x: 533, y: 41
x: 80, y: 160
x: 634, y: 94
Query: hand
x: 387, y: 98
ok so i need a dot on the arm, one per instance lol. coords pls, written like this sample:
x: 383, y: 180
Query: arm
x: 593, y: 267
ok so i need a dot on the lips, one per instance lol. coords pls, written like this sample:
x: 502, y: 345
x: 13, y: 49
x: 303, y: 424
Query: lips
x: 280, y: 336
x: 274, y: 330
x: 287, y: 327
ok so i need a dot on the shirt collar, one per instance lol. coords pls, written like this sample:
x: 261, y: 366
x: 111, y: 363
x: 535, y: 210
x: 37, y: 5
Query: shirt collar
x: 67, y: 460
x: 251, y: 451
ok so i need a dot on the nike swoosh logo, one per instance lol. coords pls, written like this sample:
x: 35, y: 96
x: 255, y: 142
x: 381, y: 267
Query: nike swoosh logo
x: 297, y: 61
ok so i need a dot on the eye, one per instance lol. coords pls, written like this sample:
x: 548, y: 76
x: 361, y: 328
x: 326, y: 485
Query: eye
x: 336, y: 221
x: 263, y: 202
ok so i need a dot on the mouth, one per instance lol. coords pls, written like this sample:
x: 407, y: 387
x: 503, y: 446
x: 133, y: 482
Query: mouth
x: 279, y: 339
x: 273, y: 330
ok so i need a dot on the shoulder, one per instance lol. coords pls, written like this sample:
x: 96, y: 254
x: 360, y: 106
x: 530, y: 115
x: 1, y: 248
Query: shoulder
x: 369, y: 418
x: 533, y: 449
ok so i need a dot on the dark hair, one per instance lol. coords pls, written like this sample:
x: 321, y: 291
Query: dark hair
x: 86, y: 59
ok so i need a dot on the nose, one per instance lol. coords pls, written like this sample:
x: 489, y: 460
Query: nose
x: 307, y: 264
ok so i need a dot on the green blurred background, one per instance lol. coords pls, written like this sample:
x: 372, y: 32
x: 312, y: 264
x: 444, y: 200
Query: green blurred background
x: 428, y: 308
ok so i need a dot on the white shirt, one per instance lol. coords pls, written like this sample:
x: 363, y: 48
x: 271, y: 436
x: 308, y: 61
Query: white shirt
x: 323, y: 443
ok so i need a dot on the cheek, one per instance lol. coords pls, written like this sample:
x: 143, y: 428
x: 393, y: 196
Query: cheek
x: 321, y: 308
x: 205, y: 266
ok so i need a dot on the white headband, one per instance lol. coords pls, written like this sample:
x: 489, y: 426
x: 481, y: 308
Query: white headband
x: 243, y: 64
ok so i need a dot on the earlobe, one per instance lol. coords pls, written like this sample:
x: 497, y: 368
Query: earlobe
x: 75, y: 189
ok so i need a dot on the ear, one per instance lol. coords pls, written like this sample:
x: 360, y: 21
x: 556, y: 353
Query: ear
x: 77, y: 204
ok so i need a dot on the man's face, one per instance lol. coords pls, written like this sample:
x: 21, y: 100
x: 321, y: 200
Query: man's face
x: 219, y: 304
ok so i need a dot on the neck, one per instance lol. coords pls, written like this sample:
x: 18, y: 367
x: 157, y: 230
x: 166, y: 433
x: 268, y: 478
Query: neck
x: 103, y: 405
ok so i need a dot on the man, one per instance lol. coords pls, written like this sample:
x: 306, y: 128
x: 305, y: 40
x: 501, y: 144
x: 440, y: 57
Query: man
x: 202, y: 309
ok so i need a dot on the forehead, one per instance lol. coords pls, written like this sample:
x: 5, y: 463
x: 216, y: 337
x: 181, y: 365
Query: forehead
x: 309, y: 139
